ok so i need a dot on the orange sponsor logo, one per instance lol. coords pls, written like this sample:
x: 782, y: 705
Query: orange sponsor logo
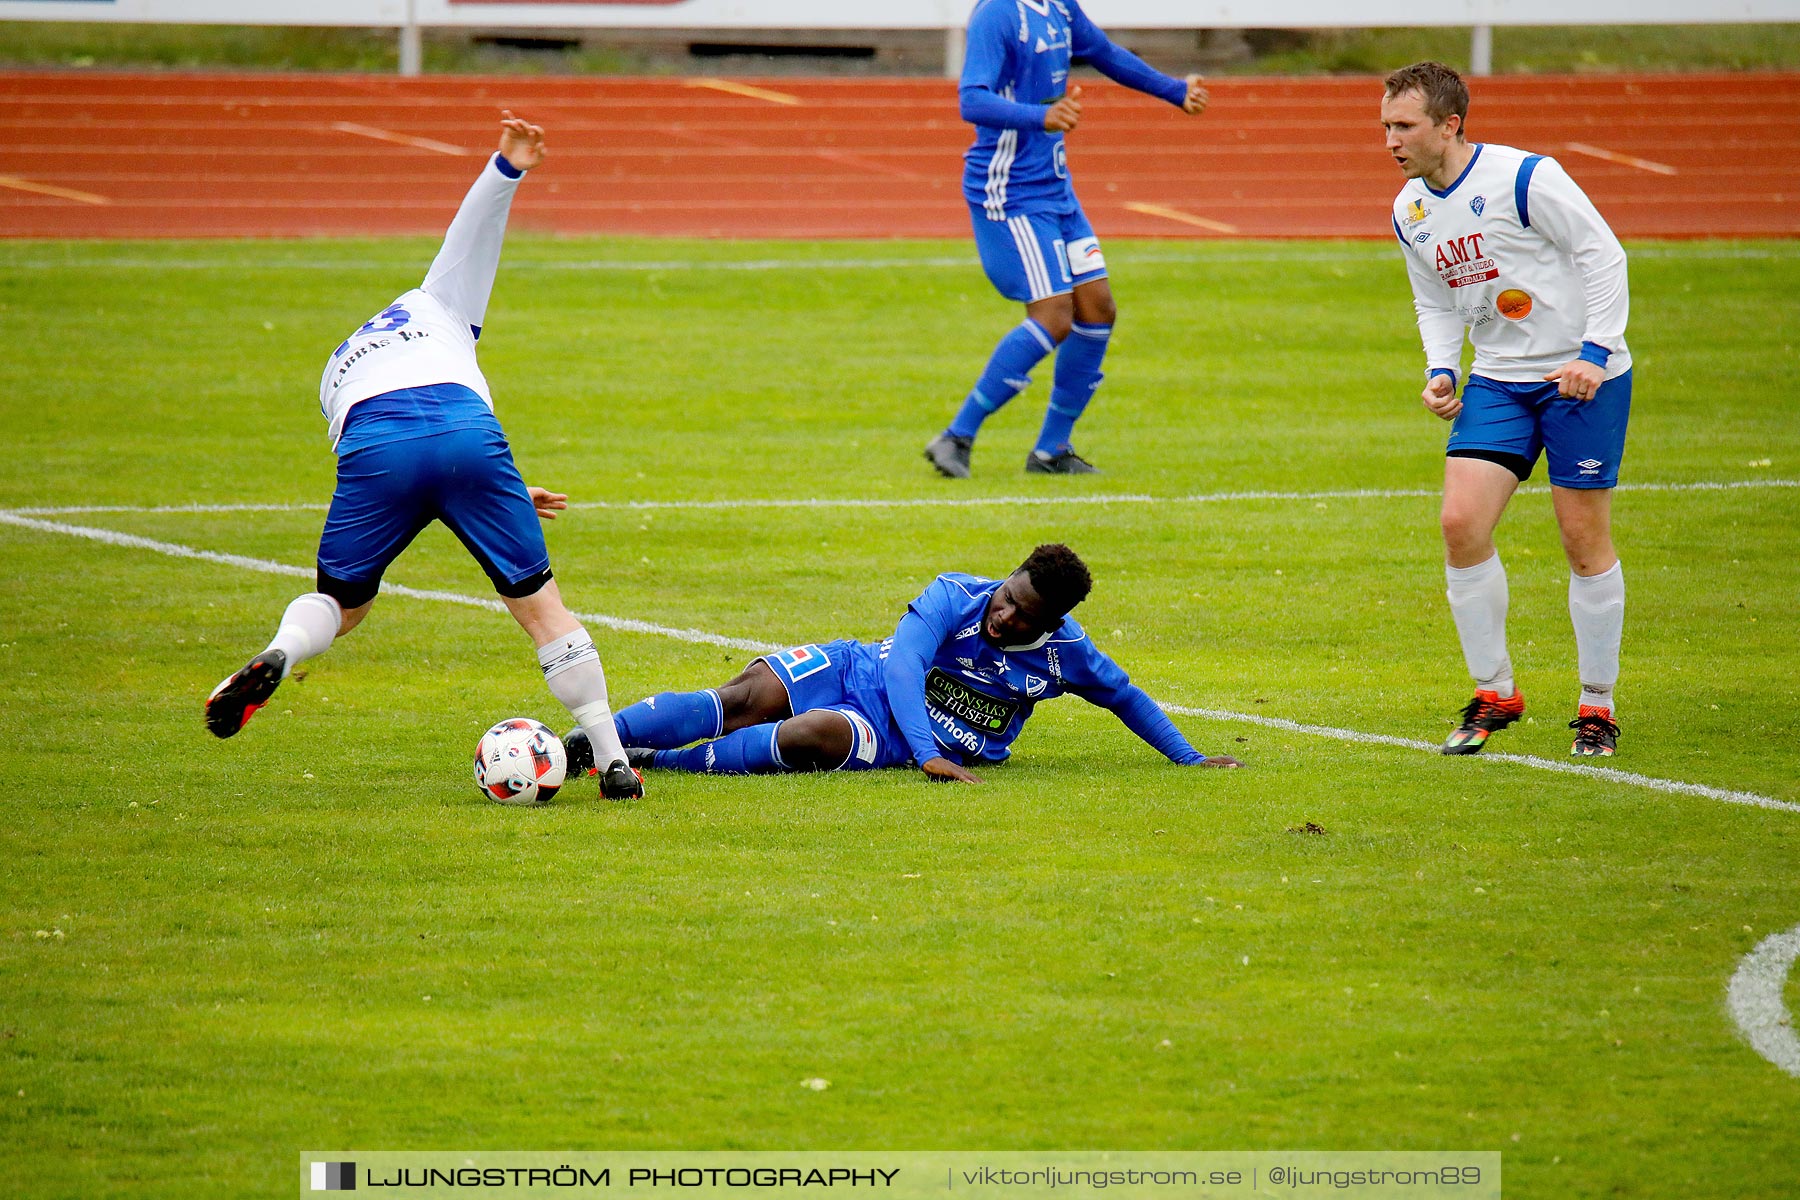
x: 1513, y: 304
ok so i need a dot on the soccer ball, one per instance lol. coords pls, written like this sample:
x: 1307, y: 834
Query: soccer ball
x: 520, y: 761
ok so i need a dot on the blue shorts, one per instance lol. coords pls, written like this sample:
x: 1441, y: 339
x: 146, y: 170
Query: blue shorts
x: 1034, y: 256
x: 832, y: 678
x: 387, y: 493
x: 1583, y: 439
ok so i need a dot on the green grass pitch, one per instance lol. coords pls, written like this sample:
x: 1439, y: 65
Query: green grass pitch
x: 216, y: 954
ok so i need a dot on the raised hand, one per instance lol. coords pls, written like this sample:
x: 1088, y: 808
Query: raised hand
x: 521, y: 142
x: 1197, y: 96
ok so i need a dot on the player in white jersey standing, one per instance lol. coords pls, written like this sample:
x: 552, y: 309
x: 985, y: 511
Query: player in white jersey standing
x: 1502, y: 244
x: 412, y: 422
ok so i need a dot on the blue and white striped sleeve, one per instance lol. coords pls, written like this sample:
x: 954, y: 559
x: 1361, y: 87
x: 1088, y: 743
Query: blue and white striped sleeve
x: 987, y: 72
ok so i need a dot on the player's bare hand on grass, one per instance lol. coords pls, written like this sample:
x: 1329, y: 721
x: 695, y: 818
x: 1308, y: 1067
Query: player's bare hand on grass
x: 1218, y: 760
x: 942, y: 770
x: 1065, y: 114
x: 521, y: 142
x: 1579, y: 379
x: 547, y: 503
x: 1440, y: 397
x: 1197, y: 96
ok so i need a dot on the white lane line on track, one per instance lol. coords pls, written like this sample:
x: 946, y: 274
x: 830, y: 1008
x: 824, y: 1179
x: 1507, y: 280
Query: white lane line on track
x: 14, y: 183
x: 1179, y: 216
x: 923, y: 502
x: 1235, y: 256
x: 270, y: 567
x: 400, y: 139
x: 1754, y: 999
x: 1627, y: 160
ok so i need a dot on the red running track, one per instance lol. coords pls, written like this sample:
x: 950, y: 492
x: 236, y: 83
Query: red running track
x: 119, y: 155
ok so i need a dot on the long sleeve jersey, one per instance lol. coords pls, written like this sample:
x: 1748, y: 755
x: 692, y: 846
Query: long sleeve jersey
x: 949, y: 688
x: 428, y: 335
x: 1018, y: 59
x: 1515, y: 254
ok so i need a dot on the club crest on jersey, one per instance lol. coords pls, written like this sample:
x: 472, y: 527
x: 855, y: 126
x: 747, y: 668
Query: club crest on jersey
x: 1477, y: 204
x: 1034, y: 687
x: 1415, y: 212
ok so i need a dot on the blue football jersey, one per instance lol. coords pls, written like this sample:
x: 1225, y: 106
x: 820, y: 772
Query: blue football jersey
x: 978, y: 695
x: 1017, y: 62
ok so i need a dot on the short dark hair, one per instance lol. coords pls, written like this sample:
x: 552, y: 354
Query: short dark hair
x: 1059, y: 576
x: 1440, y: 87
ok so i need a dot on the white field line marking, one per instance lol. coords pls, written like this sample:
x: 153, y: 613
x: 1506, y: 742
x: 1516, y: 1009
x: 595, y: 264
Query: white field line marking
x: 400, y: 139
x: 1629, y: 160
x: 1233, y: 256
x: 1523, y: 760
x: 1754, y: 999
x: 50, y: 189
x: 269, y: 567
x: 743, y: 89
x: 1179, y: 217
x: 929, y: 502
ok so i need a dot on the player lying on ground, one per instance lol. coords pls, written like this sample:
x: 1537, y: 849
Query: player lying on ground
x: 969, y: 663
x: 413, y: 426
x: 1504, y: 245
x: 1036, y: 244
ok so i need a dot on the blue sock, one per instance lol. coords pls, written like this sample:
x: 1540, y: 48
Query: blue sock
x: 671, y: 719
x: 1008, y: 373
x: 1077, y: 375
x: 748, y: 751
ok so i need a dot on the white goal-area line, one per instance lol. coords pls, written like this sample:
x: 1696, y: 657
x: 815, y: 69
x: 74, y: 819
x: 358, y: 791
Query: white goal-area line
x: 1754, y: 999
x: 853, y: 502
x: 702, y: 637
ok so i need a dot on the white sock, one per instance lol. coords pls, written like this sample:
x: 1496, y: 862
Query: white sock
x: 1478, y: 600
x: 1597, y: 608
x: 308, y: 628
x: 572, y: 669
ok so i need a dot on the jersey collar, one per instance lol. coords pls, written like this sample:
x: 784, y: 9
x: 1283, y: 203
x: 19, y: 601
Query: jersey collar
x: 1473, y: 159
x: 1029, y: 645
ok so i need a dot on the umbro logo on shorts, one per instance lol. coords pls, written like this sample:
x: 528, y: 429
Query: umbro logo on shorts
x: 1590, y: 464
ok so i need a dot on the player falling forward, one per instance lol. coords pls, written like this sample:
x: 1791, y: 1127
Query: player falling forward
x: 1036, y: 244
x: 1503, y: 244
x: 413, y: 426
x: 969, y: 663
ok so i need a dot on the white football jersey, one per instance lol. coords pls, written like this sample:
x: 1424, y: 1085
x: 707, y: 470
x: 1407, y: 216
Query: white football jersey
x: 428, y: 335
x: 1516, y: 254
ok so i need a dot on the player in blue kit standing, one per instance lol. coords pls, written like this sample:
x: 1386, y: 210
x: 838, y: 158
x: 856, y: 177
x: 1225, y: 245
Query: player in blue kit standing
x: 969, y: 663
x: 1035, y: 242
x: 413, y: 425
